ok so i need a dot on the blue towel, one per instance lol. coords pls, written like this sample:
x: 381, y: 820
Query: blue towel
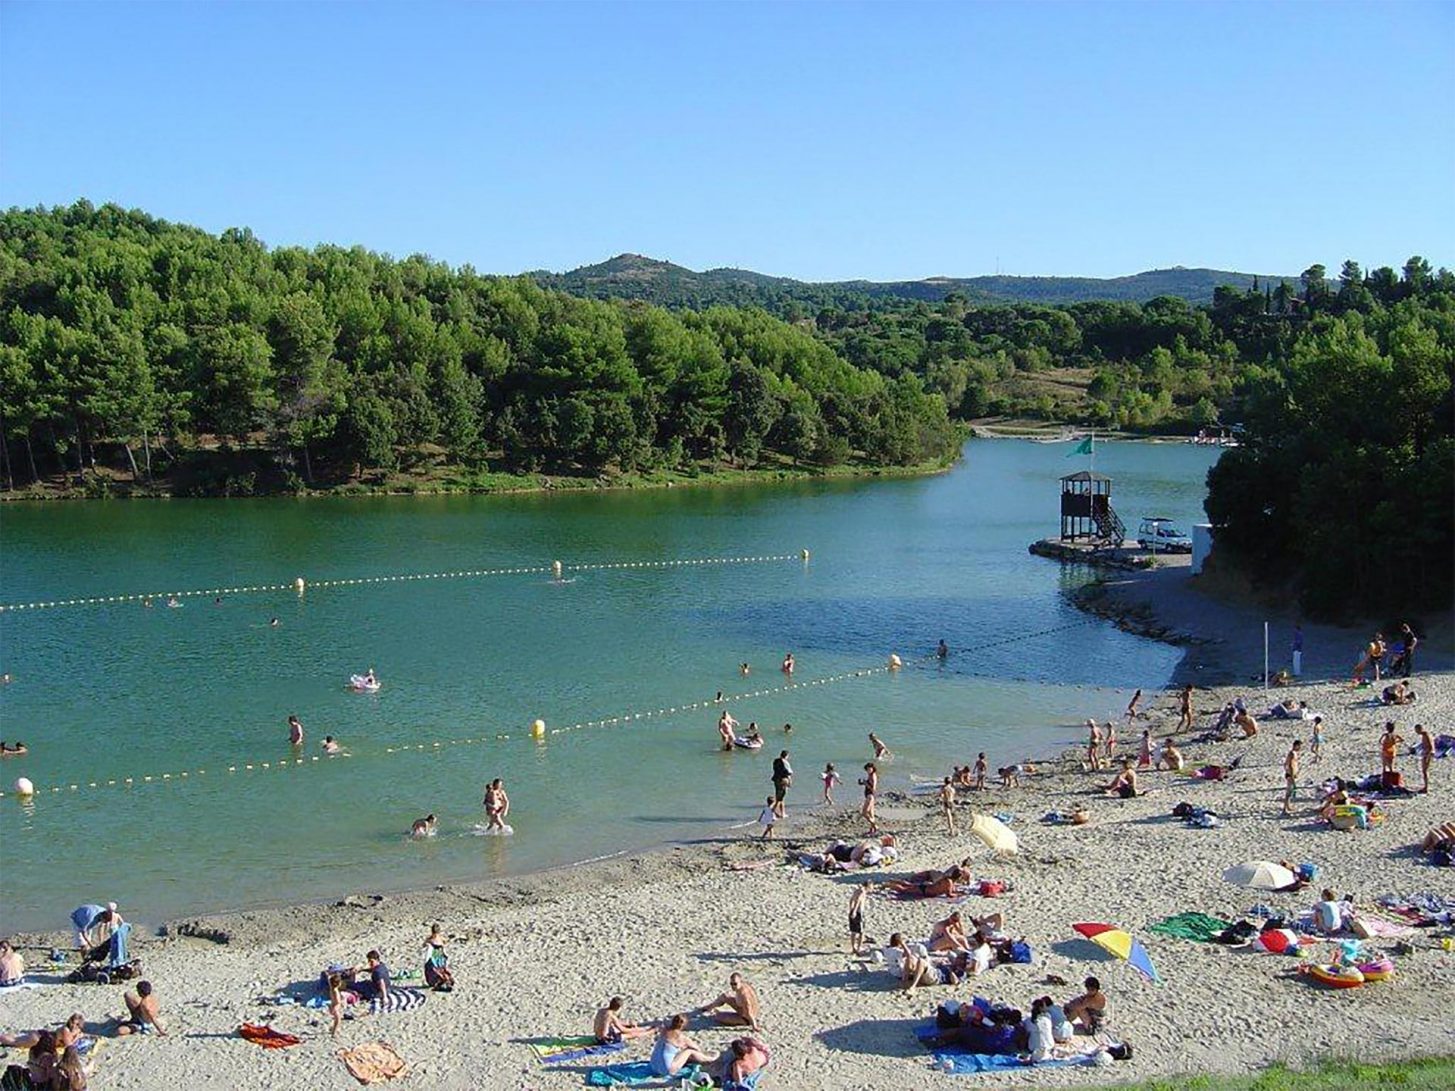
x: 636, y: 1073
x: 956, y: 1061
x: 120, y: 955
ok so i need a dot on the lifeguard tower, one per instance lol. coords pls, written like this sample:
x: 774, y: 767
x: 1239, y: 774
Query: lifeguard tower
x: 1086, y: 511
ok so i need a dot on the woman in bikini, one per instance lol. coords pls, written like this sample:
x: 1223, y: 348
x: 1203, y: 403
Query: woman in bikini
x: 870, y: 781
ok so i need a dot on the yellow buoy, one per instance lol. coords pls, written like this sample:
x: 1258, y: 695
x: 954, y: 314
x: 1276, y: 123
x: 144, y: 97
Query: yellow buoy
x: 538, y: 729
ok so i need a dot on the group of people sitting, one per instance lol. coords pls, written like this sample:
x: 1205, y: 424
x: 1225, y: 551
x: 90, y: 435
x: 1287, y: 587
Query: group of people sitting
x: 55, y: 1059
x: 674, y: 1050
x: 982, y: 1027
x: 953, y: 952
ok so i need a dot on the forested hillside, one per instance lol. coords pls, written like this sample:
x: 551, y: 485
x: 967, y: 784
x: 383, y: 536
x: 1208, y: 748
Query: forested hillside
x: 126, y: 336
x: 632, y: 276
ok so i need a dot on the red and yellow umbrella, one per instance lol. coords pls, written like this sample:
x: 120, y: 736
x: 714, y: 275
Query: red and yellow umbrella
x: 1120, y: 943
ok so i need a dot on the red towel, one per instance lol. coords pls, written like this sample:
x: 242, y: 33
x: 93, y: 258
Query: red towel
x: 267, y: 1037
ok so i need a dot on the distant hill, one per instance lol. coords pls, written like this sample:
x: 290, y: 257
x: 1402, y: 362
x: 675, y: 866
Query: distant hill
x: 632, y: 276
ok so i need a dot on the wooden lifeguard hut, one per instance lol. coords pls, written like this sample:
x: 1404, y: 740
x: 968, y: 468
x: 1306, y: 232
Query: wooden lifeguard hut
x: 1086, y: 510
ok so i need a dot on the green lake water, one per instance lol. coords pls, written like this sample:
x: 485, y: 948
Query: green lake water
x: 109, y: 692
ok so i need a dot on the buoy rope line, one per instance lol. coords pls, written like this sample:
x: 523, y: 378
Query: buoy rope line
x: 282, y: 764
x: 301, y: 584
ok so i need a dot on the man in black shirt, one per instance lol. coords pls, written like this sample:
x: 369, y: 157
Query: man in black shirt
x: 782, y: 778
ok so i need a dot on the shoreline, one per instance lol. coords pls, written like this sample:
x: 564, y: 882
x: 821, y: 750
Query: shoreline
x: 535, y: 954
x: 503, y: 484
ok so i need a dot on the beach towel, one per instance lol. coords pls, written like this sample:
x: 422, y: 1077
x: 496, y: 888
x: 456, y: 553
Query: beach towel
x: 959, y: 1062
x: 399, y: 1000
x: 267, y: 1037
x: 1198, y: 927
x: 562, y: 1050
x: 373, y: 1062
x: 637, y: 1074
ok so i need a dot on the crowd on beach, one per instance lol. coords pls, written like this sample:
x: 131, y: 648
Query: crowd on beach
x: 959, y: 949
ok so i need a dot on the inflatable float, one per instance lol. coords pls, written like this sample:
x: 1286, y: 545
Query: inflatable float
x: 1381, y: 970
x: 1336, y: 977
x: 746, y: 743
x: 362, y: 683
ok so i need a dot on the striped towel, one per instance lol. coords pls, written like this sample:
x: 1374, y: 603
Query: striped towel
x: 399, y: 1000
x: 561, y: 1050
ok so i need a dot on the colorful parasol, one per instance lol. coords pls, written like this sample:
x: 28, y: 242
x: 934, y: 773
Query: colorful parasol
x: 1120, y: 943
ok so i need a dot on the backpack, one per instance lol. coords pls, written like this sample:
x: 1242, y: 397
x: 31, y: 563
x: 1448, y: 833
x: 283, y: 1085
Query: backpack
x: 1120, y: 1051
x: 1183, y: 810
x: 1020, y: 951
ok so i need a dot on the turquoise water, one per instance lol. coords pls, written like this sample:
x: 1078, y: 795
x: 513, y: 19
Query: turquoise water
x: 109, y: 692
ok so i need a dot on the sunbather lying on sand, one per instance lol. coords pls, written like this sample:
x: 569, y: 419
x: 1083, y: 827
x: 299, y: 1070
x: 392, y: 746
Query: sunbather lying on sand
x: 932, y: 884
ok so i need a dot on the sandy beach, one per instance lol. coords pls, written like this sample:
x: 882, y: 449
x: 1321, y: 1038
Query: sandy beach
x: 535, y: 956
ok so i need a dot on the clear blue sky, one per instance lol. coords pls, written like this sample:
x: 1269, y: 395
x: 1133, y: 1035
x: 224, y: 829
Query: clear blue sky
x: 815, y: 140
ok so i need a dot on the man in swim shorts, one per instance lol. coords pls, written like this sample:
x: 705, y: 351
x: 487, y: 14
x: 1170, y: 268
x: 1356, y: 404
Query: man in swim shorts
x: 143, y: 1010
x: 857, y: 900
x: 1088, y: 1009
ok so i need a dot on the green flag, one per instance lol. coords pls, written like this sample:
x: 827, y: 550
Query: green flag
x: 1082, y: 448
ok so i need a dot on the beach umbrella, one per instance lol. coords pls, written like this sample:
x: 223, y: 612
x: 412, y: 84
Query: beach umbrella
x: 1261, y: 875
x: 995, y: 833
x: 1120, y: 943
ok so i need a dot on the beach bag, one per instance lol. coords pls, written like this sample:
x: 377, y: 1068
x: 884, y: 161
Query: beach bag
x: 1020, y: 951
x: 990, y: 888
x: 1120, y: 1051
x: 1308, y: 872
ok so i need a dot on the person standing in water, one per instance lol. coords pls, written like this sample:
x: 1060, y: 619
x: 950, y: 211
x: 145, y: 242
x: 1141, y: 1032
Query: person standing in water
x: 982, y: 768
x: 295, y: 731
x: 497, y: 805
x: 943, y: 651
x: 870, y: 781
x: 788, y: 663
x: 727, y: 729
x: 881, y: 752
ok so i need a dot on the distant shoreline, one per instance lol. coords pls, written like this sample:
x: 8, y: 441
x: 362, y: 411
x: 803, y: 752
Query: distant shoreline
x: 118, y: 487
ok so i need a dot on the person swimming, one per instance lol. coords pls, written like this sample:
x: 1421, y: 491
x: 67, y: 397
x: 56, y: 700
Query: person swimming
x: 13, y: 751
x: 744, y: 670
x: 273, y: 623
x: 173, y: 601
x: 330, y: 745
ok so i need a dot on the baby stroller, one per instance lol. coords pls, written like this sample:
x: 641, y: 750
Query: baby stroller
x: 108, y: 961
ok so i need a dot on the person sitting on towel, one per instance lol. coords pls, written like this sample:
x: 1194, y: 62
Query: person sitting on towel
x: 610, y: 1027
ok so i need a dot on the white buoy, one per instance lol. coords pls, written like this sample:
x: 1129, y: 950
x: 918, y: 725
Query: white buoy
x: 299, y: 585
x: 23, y: 787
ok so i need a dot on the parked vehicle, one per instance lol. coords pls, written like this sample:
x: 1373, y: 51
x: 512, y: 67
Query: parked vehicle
x: 1159, y: 535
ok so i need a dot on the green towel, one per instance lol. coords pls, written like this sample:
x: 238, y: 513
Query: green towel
x: 1198, y: 927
